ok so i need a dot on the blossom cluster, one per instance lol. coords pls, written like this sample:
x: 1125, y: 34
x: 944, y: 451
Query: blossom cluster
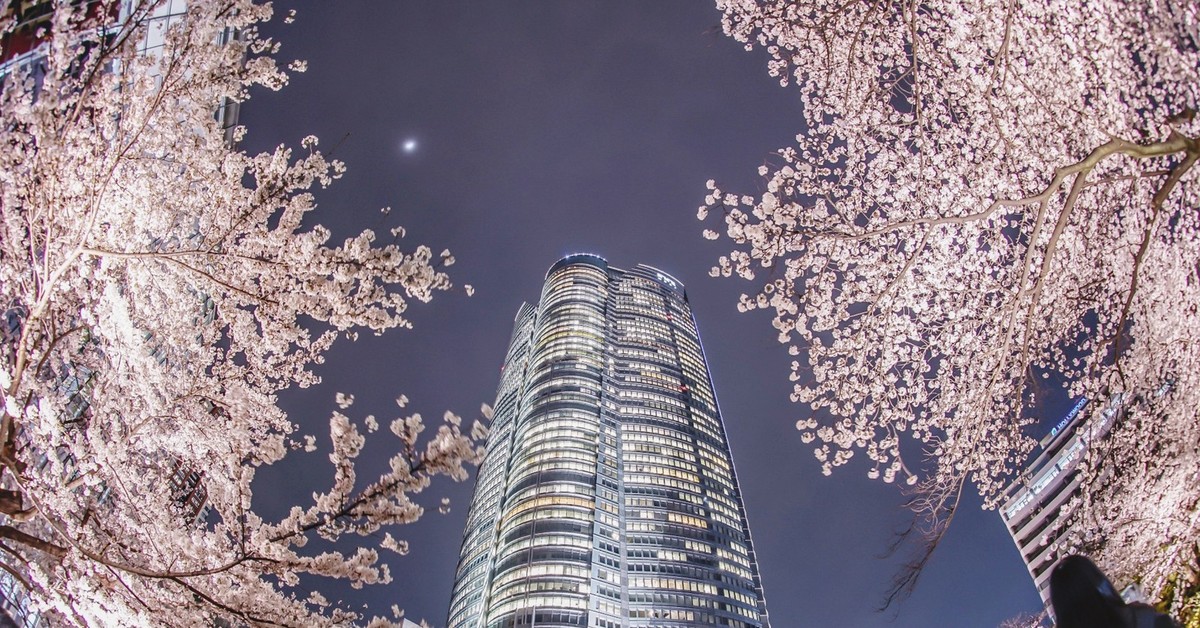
x: 159, y: 288
x: 986, y: 197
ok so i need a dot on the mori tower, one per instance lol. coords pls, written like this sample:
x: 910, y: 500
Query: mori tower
x: 608, y: 497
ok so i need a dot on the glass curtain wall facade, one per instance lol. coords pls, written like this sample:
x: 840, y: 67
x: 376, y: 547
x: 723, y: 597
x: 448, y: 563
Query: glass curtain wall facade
x: 608, y: 496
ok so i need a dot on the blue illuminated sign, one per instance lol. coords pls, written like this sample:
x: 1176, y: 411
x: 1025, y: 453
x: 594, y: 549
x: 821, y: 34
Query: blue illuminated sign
x: 1067, y: 419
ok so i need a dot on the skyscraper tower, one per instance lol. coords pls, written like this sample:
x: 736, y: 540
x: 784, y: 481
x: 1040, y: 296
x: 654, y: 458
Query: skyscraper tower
x: 1049, y: 488
x: 608, y: 496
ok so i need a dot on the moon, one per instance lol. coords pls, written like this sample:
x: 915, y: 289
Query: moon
x: 410, y: 145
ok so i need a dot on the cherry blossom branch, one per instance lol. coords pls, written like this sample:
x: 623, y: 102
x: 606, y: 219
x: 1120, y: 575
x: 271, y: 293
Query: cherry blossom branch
x: 243, y: 614
x: 13, y: 534
x: 1191, y: 156
x: 97, y: 194
x: 349, y: 507
x: 13, y: 572
x: 937, y: 510
x: 184, y: 253
x: 136, y: 24
x: 1176, y: 143
x: 125, y: 585
x: 173, y: 259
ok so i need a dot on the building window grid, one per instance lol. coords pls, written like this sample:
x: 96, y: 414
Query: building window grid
x: 649, y: 378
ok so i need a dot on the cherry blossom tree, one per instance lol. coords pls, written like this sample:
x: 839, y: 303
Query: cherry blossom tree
x: 159, y: 289
x: 984, y: 195
x: 1024, y: 620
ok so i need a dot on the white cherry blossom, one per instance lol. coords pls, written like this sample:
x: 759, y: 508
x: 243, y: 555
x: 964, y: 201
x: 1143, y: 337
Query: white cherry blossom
x: 165, y: 287
x: 984, y: 194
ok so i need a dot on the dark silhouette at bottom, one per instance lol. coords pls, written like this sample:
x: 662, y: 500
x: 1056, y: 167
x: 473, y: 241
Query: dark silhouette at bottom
x: 1083, y: 597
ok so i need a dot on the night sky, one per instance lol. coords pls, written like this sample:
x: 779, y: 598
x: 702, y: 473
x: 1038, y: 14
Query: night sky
x: 546, y: 128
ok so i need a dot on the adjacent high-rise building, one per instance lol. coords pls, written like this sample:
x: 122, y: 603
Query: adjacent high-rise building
x: 608, y: 497
x: 1034, y: 504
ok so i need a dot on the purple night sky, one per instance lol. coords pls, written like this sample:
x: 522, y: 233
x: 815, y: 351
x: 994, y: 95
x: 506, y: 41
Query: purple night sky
x: 546, y: 128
